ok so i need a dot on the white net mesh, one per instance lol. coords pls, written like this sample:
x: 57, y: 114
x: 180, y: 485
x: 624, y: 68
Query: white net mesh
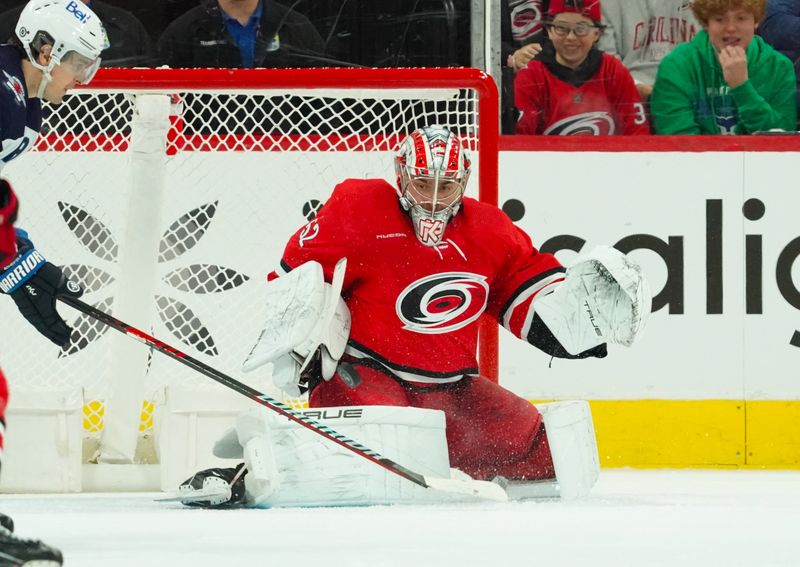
x: 242, y: 170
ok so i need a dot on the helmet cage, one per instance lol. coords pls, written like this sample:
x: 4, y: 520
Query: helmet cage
x: 432, y: 170
x: 433, y: 191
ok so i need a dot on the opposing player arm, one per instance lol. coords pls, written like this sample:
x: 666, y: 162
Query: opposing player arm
x: 305, y: 317
x: 34, y: 284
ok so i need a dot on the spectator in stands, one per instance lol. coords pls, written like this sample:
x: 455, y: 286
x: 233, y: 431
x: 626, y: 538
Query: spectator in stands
x: 572, y: 88
x: 130, y: 44
x: 522, y: 34
x: 522, y: 31
x: 642, y: 32
x: 726, y: 80
x: 241, y: 33
x: 781, y: 29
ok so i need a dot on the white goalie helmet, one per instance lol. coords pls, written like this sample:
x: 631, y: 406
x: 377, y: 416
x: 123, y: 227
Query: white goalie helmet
x: 75, y: 32
x: 433, y: 168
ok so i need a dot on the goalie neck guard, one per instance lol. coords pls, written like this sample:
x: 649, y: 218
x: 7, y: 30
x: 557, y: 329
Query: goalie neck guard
x: 432, y: 169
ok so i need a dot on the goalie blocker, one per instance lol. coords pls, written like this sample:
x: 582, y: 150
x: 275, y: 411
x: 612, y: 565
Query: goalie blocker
x: 287, y: 466
x: 306, y: 319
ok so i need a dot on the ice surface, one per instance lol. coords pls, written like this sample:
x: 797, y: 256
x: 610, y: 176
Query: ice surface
x: 685, y: 518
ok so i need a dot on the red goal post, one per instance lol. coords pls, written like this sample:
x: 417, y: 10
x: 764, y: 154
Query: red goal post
x: 168, y: 193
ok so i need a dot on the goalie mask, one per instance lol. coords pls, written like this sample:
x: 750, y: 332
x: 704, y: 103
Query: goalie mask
x: 432, y: 169
x: 75, y: 33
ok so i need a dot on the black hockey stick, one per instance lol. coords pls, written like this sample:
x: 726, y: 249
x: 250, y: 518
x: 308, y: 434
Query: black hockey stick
x: 479, y: 489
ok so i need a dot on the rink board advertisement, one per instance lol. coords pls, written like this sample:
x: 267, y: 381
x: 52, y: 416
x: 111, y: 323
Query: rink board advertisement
x: 714, y: 379
x: 718, y: 241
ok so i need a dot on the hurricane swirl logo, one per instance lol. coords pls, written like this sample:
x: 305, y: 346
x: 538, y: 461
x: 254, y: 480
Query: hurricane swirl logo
x: 586, y: 124
x: 442, y: 303
x: 526, y: 20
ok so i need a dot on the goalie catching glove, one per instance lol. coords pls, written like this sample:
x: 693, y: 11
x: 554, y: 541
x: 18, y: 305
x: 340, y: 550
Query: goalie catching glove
x: 604, y: 298
x: 304, y: 316
x: 34, y: 284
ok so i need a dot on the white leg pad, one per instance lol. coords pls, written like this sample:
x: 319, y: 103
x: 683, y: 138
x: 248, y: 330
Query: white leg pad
x: 262, y: 477
x: 291, y: 466
x: 570, y: 432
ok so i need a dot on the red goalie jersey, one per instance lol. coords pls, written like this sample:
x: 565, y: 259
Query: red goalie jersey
x: 607, y: 103
x: 415, y: 308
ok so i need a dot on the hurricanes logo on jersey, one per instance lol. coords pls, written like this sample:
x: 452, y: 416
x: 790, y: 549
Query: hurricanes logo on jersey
x: 597, y: 123
x: 15, y: 86
x: 442, y: 303
x: 526, y: 19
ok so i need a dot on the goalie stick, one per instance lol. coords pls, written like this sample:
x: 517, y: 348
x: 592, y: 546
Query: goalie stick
x: 474, y: 488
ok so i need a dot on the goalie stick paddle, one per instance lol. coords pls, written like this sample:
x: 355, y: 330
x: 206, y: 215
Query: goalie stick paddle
x: 474, y: 488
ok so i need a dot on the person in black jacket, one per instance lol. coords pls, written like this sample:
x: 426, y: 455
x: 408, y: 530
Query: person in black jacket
x: 130, y: 44
x: 241, y: 34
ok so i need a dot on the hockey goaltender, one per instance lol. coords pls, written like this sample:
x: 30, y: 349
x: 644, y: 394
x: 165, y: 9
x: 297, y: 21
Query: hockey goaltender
x: 388, y: 349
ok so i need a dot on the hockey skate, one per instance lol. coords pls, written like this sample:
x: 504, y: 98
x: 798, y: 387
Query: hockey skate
x: 17, y: 552
x: 214, y: 488
x: 6, y: 522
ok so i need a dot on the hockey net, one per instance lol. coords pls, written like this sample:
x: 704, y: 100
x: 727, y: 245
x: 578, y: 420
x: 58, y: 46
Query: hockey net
x: 169, y: 195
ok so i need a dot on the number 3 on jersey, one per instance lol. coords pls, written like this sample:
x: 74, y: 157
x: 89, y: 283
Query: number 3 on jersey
x: 641, y: 115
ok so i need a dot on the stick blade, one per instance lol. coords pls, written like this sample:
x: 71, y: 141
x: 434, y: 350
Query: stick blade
x: 468, y: 488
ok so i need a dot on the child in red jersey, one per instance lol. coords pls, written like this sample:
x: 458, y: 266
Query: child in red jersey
x: 572, y: 88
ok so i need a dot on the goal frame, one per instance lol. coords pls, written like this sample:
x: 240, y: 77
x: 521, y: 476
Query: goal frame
x: 155, y: 132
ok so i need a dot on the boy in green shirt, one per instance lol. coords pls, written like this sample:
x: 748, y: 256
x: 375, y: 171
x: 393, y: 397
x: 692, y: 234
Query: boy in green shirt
x: 726, y: 80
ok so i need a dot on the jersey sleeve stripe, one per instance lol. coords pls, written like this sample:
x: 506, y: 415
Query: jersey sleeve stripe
x: 529, y: 283
x: 519, y: 314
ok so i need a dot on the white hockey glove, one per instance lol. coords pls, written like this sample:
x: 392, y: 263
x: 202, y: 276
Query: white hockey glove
x: 604, y: 298
x: 304, y: 315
